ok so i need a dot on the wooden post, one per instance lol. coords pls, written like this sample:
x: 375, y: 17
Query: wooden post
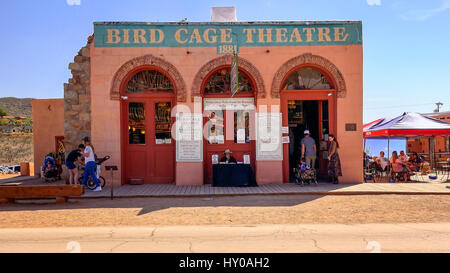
x: 112, y: 185
x: 389, y: 159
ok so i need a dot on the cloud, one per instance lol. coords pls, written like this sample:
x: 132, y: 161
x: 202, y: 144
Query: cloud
x: 73, y: 2
x: 424, y: 14
x: 373, y: 2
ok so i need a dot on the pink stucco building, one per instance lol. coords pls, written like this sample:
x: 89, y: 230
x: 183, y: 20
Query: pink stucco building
x: 138, y: 87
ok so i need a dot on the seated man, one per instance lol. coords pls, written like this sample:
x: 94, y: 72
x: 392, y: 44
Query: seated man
x: 382, y: 162
x: 228, y: 158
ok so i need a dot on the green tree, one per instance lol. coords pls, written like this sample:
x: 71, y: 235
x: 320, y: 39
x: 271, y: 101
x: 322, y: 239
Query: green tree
x: 3, y: 112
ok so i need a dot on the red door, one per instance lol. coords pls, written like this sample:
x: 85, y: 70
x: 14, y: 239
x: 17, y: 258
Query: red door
x: 228, y: 129
x: 149, y: 148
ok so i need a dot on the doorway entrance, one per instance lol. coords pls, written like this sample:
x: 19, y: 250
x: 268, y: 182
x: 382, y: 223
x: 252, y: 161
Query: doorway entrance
x: 148, y: 150
x: 311, y: 115
x: 228, y: 119
x: 308, y: 101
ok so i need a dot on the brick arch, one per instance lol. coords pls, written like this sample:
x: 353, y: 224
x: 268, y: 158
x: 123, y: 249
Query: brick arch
x: 313, y: 60
x: 178, y: 82
x: 227, y: 60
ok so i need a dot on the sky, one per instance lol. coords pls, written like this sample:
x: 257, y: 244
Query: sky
x: 406, y: 42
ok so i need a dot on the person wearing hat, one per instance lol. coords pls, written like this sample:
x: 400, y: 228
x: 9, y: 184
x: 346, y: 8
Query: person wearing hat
x: 228, y: 158
x: 89, y: 160
x: 309, y: 149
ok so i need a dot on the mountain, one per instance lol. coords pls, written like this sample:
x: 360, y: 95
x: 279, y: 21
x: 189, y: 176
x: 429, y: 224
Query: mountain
x: 16, y: 106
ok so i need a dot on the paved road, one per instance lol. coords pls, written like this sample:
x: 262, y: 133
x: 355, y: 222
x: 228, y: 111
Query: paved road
x: 431, y: 237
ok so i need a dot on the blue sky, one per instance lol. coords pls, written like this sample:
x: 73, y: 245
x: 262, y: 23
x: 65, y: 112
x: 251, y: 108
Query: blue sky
x: 406, y: 43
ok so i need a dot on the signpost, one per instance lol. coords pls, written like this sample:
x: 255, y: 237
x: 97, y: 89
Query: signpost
x: 112, y: 169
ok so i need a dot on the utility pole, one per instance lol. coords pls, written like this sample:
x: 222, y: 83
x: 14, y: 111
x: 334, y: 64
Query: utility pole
x: 438, y: 104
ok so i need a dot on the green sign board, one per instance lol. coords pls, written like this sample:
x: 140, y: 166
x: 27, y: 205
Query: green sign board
x: 227, y: 37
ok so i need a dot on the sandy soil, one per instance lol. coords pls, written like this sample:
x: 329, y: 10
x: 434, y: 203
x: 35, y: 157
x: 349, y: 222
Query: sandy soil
x: 238, y: 210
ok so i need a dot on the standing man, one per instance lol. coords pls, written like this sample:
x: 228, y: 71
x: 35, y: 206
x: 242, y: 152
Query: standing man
x: 309, y: 149
x: 72, y: 157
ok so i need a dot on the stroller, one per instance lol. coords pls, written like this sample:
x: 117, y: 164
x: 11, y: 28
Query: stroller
x: 51, y: 171
x: 90, y: 183
x: 304, y: 174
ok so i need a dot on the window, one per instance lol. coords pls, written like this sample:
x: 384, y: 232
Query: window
x: 219, y: 83
x: 241, y: 126
x: 215, y: 127
x: 306, y: 79
x: 136, y: 123
x: 149, y: 81
x: 163, y: 123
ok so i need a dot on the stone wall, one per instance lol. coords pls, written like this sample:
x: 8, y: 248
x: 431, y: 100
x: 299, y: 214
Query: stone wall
x: 77, y: 99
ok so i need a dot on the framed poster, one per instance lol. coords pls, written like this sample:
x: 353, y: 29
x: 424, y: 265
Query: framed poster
x: 268, y: 136
x: 246, y: 159
x: 215, y: 159
x: 189, y: 138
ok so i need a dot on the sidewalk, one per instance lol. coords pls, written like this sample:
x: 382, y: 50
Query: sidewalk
x: 171, y: 190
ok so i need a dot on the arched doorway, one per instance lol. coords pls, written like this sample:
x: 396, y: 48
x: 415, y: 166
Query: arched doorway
x: 308, y: 102
x: 148, y: 96
x: 228, y: 121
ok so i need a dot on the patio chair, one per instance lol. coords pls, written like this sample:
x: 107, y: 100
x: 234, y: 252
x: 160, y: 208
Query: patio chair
x: 381, y: 174
x: 370, y: 172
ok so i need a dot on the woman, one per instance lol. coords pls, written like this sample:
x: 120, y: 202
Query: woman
x: 89, y: 161
x: 398, y: 166
x: 73, y: 157
x: 334, y: 163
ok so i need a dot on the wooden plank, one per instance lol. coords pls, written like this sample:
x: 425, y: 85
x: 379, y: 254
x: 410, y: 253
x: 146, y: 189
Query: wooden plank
x: 6, y: 200
x: 41, y: 191
x: 60, y: 200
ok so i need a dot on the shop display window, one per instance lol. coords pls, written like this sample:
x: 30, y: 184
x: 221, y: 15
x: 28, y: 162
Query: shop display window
x: 163, y: 123
x: 136, y: 123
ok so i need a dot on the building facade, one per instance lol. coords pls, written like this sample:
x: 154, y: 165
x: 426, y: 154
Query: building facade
x: 157, y: 97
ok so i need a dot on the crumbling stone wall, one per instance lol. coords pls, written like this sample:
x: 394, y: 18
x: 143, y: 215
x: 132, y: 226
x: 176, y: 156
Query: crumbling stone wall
x: 77, y: 99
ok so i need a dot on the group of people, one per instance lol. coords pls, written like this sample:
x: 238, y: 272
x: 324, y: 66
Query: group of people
x: 401, y: 164
x: 309, y: 155
x: 84, y: 151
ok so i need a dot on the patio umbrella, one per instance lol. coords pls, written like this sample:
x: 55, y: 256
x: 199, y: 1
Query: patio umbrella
x: 409, y: 125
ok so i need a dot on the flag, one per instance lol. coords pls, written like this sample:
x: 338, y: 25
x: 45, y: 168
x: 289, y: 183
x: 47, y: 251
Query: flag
x: 234, y: 76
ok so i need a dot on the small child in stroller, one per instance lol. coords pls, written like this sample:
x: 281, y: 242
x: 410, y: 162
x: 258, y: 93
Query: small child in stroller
x: 305, y: 174
x: 51, y: 171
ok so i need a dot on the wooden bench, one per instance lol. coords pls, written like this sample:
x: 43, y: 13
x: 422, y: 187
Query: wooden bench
x: 9, y: 194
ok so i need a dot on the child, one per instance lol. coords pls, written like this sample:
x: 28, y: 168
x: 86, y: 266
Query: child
x: 50, y: 170
x: 303, y: 165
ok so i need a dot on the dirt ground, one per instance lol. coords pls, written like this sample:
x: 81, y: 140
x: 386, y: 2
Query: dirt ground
x: 238, y: 210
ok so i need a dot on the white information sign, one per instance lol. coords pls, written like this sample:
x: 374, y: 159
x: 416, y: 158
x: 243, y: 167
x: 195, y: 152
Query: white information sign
x: 268, y: 136
x: 189, y: 137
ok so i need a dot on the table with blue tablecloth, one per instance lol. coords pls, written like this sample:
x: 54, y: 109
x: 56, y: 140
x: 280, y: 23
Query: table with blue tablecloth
x: 233, y: 175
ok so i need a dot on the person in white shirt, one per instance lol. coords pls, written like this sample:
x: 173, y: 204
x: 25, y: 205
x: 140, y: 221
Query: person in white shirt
x: 382, y: 161
x: 89, y: 161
